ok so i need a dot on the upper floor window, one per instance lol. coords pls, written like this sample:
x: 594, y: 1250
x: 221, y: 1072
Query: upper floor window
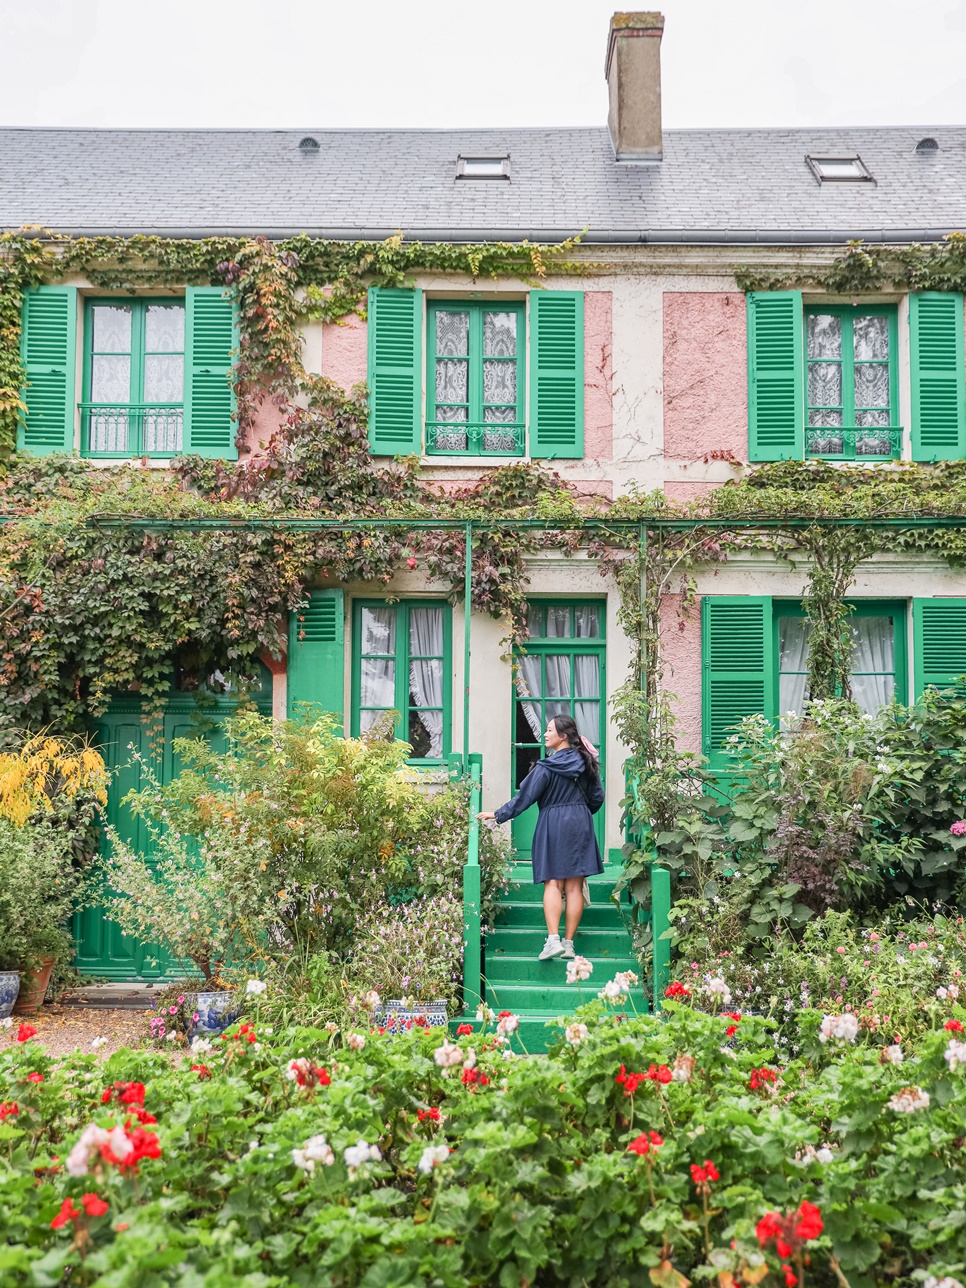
x: 151, y: 377
x: 133, y: 401
x: 485, y: 387
x: 475, y: 381
x: 823, y: 379
x: 851, y: 383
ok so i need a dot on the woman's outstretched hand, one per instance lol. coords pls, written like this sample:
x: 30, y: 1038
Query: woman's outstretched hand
x: 486, y: 816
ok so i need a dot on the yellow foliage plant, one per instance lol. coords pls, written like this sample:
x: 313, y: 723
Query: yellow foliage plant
x: 44, y: 768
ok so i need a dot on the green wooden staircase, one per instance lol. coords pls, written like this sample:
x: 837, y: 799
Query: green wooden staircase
x: 514, y: 979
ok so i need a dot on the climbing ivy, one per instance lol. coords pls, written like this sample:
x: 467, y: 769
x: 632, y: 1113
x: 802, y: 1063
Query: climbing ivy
x: 938, y: 266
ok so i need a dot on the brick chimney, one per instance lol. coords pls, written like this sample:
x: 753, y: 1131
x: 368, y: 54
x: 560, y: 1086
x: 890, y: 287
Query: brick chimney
x: 633, y: 72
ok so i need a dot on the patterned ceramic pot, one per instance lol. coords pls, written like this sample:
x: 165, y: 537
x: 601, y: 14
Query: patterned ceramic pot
x: 9, y: 988
x: 399, y: 1014
x: 215, y: 1011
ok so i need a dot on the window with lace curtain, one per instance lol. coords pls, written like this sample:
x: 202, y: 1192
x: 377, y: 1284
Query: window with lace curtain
x: 475, y: 400
x: 850, y: 382
x: 401, y: 673
x: 134, y: 377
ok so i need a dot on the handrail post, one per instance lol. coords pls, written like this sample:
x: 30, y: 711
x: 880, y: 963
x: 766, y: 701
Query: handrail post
x: 660, y: 922
x: 472, y: 931
x: 467, y: 615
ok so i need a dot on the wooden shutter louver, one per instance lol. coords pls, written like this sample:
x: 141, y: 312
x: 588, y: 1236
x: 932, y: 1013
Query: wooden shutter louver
x: 776, y: 406
x: 316, y: 653
x: 738, y: 668
x: 395, y: 371
x: 557, y: 375
x: 938, y: 401
x: 49, y: 355
x: 939, y: 642
x: 211, y: 338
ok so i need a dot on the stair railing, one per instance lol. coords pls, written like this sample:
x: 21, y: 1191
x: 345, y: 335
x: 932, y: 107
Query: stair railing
x: 472, y: 929
x: 637, y: 831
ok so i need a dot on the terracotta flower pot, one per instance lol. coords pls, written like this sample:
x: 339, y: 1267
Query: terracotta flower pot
x: 33, y: 988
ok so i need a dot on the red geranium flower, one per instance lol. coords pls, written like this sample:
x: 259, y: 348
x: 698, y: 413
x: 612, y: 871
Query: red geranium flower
x: 954, y: 1026
x: 24, y: 1034
x: 202, y: 1071
x: 789, y: 1233
x: 677, y: 989
x: 644, y: 1143
x: 431, y: 1114
x: 35, y: 1077
x: 463, y: 1030
x: 93, y: 1205
x: 732, y: 1029
x: 67, y: 1213
x: 703, y: 1176
x: 761, y: 1077
x: 125, y: 1093
x: 8, y: 1109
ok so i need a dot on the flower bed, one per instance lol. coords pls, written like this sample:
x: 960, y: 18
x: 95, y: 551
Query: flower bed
x: 641, y: 1149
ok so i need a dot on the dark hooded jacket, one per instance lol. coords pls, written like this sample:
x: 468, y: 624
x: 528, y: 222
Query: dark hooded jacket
x: 564, y: 843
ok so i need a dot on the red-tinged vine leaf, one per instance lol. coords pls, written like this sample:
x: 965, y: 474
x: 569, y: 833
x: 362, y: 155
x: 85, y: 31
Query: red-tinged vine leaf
x: 665, y: 1276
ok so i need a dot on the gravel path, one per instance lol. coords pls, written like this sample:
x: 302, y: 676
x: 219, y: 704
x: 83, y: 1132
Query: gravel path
x: 63, y: 1029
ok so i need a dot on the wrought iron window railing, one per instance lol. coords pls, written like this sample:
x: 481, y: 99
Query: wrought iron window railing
x: 475, y: 438
x: 831, y: 442
x: 132, y: 429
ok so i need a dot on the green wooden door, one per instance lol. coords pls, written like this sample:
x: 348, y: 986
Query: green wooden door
x: 561, y: 673
x: 100, y: 947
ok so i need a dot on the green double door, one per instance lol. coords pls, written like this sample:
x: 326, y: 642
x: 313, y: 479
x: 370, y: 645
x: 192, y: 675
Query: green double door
x: 561, y: 673
x: 100, y: 947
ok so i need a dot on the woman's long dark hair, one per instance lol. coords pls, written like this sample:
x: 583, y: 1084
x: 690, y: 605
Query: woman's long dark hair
x: 566, y: 727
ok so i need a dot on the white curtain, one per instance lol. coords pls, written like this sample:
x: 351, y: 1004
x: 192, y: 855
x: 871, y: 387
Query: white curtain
x: 874, y: 643
x: 528, y: 686
x: 378, y: 674
x: 426, y: 672
x: 587, y: 685
x: 793, y: 633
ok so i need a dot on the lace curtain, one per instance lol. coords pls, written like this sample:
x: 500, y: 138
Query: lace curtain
x: 377, y: 689
x: 873, y: 665
x: 426, y: 672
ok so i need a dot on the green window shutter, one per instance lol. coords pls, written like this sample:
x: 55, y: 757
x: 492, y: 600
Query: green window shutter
x: 316, y: 652
x: 938, y: 642
x: 395, y: 371
x: 557, y: 375
x: 48, y: 350
x: 209, y: 399
x: 938, y: 396
x: 738, y: 668
x: 776, y: 365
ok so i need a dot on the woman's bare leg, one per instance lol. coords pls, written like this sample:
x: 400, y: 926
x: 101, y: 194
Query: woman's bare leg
x: 553, y: 905
x: 575, y: 905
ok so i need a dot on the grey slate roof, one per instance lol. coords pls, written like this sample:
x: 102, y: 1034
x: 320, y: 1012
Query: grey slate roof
x: 742, y: 186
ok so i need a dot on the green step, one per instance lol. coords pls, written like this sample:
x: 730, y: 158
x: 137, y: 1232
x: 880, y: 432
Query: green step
x: 526, y: 892
x: 551, y: 998
x: 590, y: 942
x: 528, y: 916
x: 527, y: 970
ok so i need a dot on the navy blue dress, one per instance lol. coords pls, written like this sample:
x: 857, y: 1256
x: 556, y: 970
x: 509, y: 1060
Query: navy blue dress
x: 564, y: 844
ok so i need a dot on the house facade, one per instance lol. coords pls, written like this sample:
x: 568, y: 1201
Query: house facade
x: 647, y: 368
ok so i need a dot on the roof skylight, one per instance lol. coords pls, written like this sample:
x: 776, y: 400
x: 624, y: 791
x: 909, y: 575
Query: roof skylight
x: 483, y: 167
x: 839, y: 169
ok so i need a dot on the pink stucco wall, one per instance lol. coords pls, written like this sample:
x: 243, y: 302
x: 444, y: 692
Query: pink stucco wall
x: 684, y: 491
x: 267, y: 420
x: 598, y: 376
x: 705, y: 376
x: 681, y: 650
x: 344, y: 351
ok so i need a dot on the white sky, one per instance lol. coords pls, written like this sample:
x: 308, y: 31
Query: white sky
x: 298, y: 64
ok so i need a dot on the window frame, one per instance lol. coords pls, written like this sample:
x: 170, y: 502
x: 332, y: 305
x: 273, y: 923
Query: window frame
x: 848, y: 431
x: 897, y: 609
x: 475, y: 424
x: 138, y: 306
x: 402, y: 658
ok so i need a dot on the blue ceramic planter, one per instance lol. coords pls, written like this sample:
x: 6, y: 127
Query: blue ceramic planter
x: 395, y: 1017
x: 216, y: 1011
x: 9, y: 991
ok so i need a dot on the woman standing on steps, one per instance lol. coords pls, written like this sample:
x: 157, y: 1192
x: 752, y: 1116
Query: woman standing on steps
x: 566, y: 786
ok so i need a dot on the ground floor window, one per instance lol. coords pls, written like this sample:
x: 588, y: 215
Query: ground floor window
x: 755, y: 661
x: 878, y: 674
x: 402, y: 663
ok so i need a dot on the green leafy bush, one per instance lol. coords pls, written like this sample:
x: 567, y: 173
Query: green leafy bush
x: 286, y: 842
x: 641, y: 1150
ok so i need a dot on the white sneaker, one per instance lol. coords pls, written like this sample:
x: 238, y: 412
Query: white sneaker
x: 552, y: 948
x: 567, y: 948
